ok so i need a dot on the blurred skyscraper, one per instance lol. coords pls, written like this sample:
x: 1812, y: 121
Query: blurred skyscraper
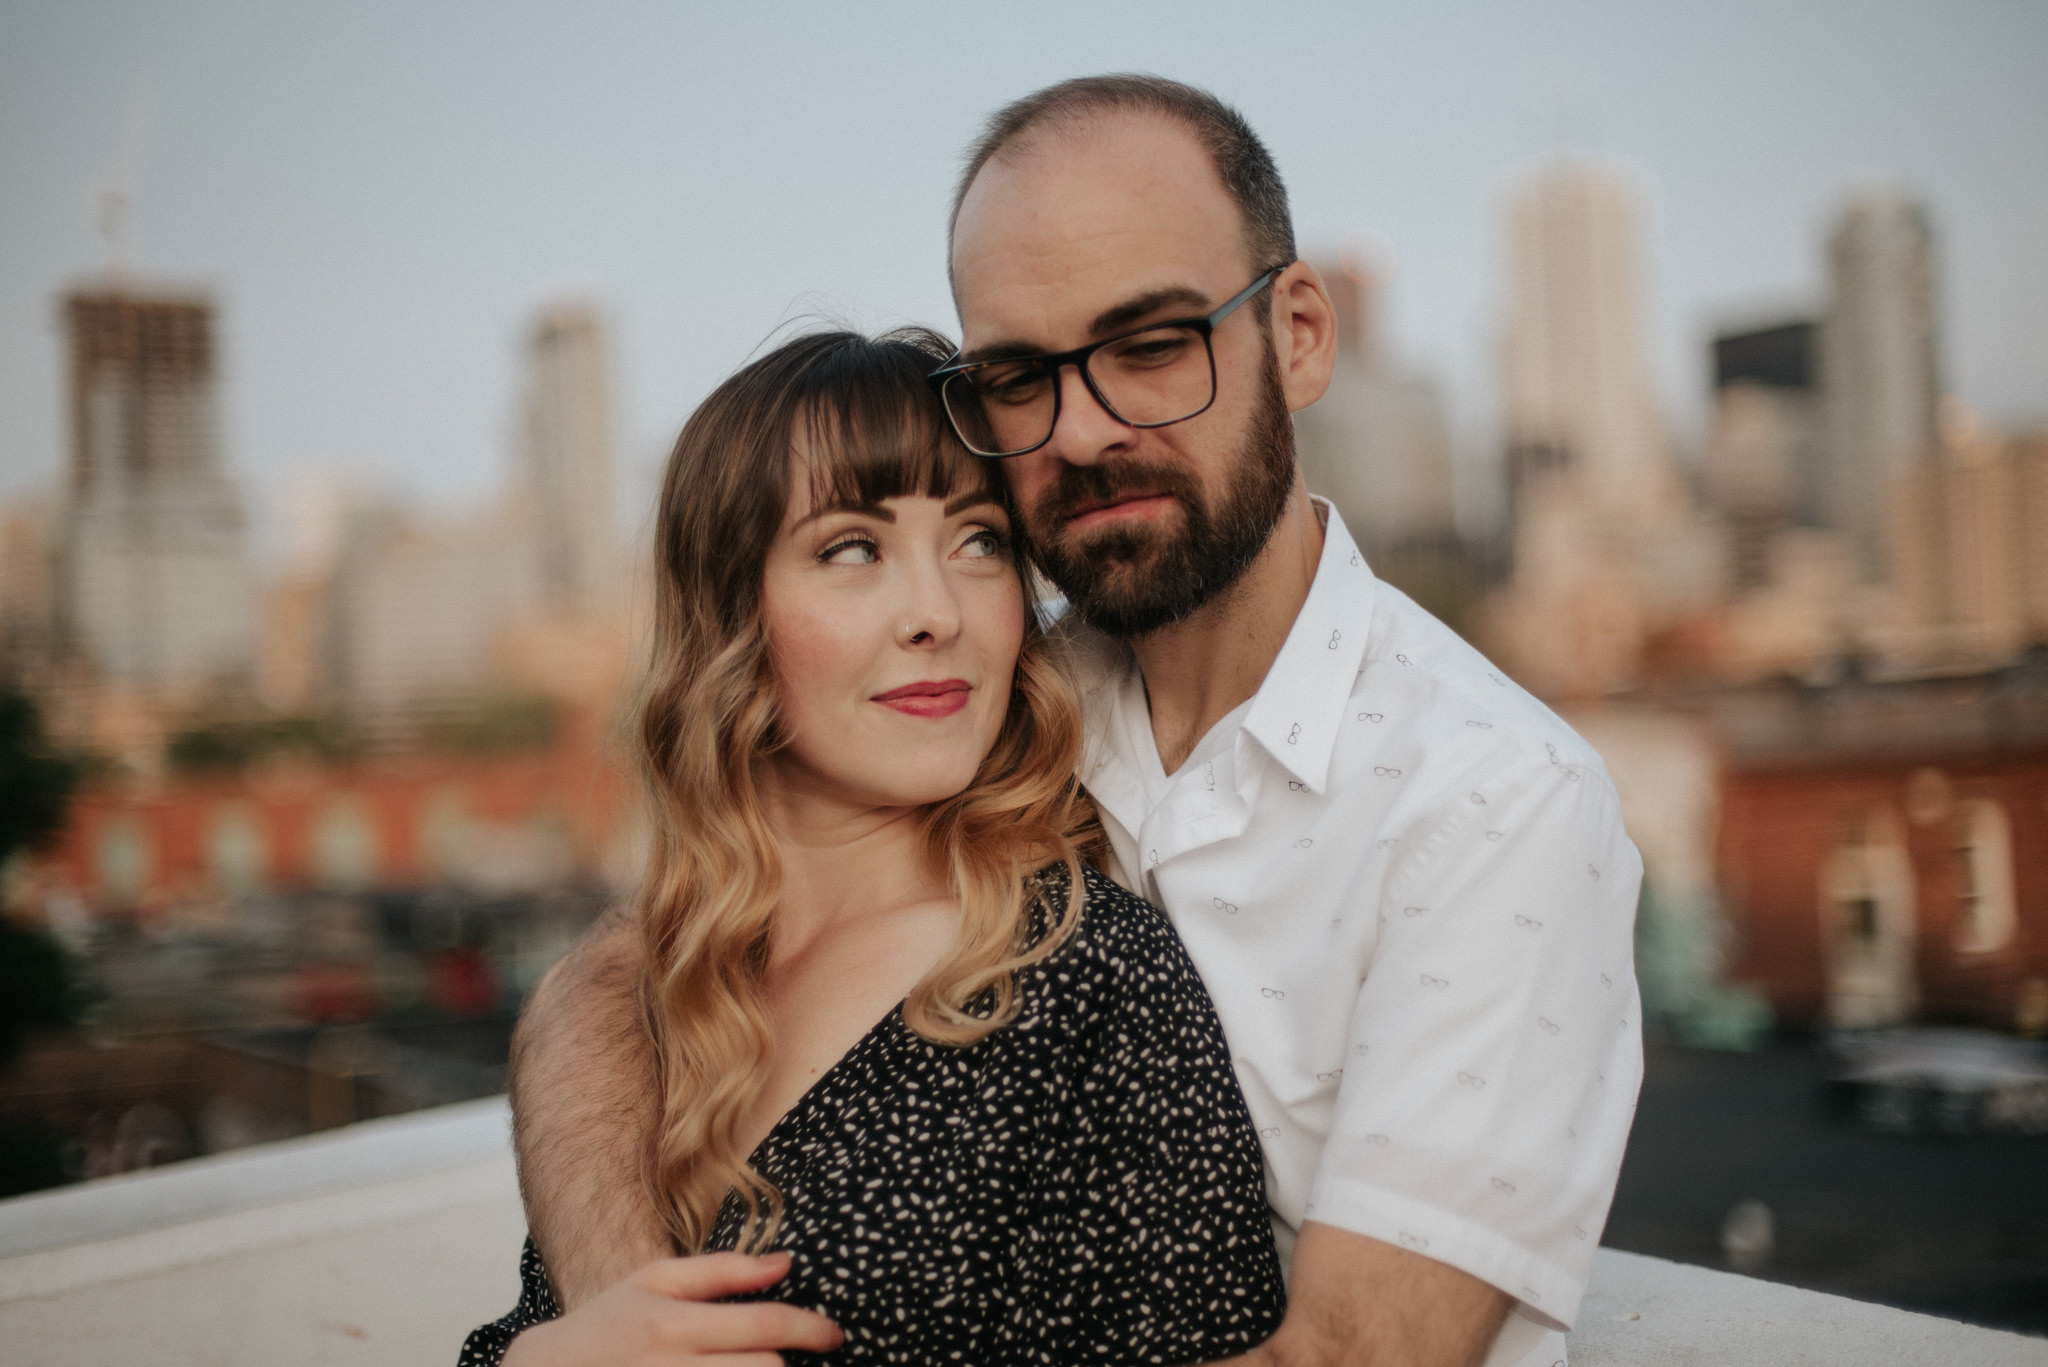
x: 1764, y: 464
x: 1881, y: 362
x: 423, y: 619
x: 155, y: 587
x: 1793, y: 603
x: 566, y: 455
x: 1607, y: 553
x: 417, y: 611
x: 1578, y: 390
x: 1378, y: 447
x: 1765, y: 456
x: 1967, y: 531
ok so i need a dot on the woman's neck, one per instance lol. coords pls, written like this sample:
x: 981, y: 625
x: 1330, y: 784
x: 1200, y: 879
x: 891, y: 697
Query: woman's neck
x: 841, y: 861
x: 860, y: 919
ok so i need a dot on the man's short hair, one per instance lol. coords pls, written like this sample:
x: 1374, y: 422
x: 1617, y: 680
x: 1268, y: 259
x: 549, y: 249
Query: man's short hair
x: 1242, y: 161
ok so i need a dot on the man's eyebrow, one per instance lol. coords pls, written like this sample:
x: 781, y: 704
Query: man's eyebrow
x: 1111, y: 320
x: 1121, y: 316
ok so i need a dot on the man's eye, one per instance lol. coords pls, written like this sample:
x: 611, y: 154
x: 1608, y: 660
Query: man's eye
x: 852, y: 551
x: 1011, y: 384
x: 1152, y: 349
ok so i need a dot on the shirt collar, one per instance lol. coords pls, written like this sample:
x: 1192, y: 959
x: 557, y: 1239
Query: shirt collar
x: 1297, y: 712
x: 1299, y: 708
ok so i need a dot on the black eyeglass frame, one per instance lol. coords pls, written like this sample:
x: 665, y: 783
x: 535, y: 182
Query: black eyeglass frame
x: 1055, y: 362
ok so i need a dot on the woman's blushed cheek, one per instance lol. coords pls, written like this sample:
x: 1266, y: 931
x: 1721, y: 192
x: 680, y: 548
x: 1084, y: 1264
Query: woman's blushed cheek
x: 812, y: 655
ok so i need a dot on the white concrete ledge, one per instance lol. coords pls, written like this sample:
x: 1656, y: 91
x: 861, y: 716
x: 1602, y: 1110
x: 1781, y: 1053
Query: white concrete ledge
x: 386, y: 1242
x: 270, y: 1174
x: 382, y: 1243
x: 1646, y: 1312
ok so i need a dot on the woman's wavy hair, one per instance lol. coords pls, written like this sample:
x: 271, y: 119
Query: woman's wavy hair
x: 870, y: 429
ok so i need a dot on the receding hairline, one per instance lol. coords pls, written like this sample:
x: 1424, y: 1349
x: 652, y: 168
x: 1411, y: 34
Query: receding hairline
x: 1077, y: 129
x: 1239, y: 163
x: 1080, y: 129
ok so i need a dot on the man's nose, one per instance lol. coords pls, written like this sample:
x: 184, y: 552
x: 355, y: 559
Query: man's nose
x: 1086, y: 432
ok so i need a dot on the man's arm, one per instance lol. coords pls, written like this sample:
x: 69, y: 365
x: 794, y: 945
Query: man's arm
x: 1358, y: 1302
x: 584, y: 1103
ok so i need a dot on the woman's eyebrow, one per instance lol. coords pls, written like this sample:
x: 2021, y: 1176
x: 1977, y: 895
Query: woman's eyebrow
x: 963, y: 502
x: 959, y: 504
x: 874, y: 510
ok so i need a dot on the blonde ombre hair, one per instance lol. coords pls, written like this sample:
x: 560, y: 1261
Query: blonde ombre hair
x: 871, y: 430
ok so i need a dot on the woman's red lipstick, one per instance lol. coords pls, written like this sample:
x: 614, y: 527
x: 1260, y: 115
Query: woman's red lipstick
x: 940, y: 698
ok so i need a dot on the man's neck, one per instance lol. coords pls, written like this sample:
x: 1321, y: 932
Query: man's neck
x: 1196, y: 671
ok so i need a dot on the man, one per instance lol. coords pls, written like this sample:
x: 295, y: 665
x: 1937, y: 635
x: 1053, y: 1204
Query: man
x: 1405, y: 882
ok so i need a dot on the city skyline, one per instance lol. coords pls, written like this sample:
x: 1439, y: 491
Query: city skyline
x: 379, y: 218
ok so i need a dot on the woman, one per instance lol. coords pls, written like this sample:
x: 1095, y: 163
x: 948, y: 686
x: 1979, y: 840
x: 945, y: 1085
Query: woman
x: 966, y: 1091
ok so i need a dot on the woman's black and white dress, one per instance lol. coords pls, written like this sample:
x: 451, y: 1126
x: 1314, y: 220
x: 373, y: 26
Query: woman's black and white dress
x: 1083, y: 1185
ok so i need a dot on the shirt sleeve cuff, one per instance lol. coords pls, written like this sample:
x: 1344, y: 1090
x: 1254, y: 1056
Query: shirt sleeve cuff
x: 1548, y: 1293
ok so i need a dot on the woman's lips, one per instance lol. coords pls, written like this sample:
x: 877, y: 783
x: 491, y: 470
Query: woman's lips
x: 941, y: 698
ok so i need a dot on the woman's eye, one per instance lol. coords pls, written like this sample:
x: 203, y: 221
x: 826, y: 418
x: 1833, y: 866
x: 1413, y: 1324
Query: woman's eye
x: 986, y: 542
x: 854, y: 551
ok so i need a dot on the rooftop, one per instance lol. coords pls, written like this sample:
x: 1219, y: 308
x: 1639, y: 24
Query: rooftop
x: 387, y: 1241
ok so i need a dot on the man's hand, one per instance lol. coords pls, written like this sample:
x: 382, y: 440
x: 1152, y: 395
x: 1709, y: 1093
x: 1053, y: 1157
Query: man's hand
x: 1357, y: 1302
x: 659, y: 1316
x: 584, y: 1102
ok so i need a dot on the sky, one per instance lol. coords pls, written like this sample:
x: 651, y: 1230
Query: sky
x: 381, y: 194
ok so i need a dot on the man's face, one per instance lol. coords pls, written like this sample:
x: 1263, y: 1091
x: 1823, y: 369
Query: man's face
x: 1088, y: 234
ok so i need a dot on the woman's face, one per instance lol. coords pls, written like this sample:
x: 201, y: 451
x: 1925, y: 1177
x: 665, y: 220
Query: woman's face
x: 894, y: 632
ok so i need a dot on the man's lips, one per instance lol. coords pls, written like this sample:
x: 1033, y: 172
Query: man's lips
x: 928, y: 698
x: 1131, y: 503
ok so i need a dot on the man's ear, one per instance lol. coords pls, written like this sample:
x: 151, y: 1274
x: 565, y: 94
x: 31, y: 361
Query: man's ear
x: 1304, y: 335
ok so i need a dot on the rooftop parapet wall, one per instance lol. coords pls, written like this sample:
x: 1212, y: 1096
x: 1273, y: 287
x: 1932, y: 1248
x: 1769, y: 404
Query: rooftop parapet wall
x: 385, y: 1243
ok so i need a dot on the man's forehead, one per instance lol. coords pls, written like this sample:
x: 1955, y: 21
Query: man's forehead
x: 1082, y: 219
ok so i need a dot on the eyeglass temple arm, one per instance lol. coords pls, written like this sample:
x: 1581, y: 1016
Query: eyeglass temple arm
x: 1237, y: 300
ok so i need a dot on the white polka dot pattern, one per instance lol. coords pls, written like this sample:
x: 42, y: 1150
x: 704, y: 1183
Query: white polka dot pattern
x: 1083, y: 1185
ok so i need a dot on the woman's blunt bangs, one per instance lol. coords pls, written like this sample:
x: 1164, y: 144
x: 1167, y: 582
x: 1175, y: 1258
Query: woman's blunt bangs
x: 870, y: 428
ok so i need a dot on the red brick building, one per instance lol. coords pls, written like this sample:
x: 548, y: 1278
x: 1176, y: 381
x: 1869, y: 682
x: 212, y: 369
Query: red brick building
x: 512, y: 820
x: 1883, y: 848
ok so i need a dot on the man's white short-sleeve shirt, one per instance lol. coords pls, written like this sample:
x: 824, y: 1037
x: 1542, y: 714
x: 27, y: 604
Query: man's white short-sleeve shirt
x: 1407, y: 887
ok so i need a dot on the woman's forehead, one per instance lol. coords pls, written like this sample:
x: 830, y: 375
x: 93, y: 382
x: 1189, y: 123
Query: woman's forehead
x: 833, y: 464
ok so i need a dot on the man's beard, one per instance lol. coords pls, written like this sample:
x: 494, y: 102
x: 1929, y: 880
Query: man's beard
x: 1133, y: 580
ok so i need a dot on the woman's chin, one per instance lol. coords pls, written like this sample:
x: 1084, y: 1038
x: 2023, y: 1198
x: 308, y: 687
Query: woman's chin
x: 911, y: 783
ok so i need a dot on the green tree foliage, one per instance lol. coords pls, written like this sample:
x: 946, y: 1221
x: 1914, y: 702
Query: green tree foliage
x: 39, y: 986
x: 231, y: 744
x: 35, y: 781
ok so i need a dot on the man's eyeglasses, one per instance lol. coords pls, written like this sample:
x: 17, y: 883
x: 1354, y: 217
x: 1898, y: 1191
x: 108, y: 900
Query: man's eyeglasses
x: 1161, y: 374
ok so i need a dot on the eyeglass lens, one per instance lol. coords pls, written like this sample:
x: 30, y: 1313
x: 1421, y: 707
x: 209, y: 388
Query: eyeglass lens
x: 1149, y: 379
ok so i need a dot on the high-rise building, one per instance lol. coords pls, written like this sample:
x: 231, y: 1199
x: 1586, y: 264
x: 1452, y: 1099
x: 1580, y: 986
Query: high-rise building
x: 1764, y: 467
x: 1766, y: 454
x: 1578, y: 386
x: 27, y: 585
x: 1608, y: 553
x: 1968, y: 583
x: 1376, y: 444
x: 566, y: 455
x: 1880, y: 362
x: 416, y: 613
x: 156, y: 590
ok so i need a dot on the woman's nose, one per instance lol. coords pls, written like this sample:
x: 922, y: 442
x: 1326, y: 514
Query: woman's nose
x: 932, y: 612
